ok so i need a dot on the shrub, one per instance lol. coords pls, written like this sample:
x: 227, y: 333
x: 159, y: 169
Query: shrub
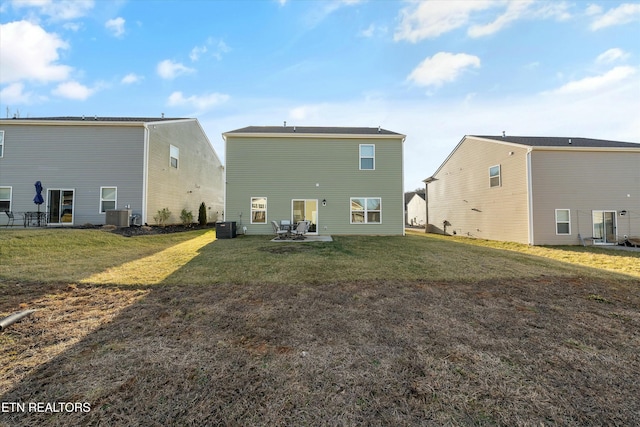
x: 186, y: 217
x: 162, y: 217
x: 202, y: 214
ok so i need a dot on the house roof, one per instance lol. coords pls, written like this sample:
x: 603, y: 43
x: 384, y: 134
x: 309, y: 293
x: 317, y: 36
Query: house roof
x: 409, y: 195
x: 97, y: 119
x: 546, y: 141
x: 316, y: 130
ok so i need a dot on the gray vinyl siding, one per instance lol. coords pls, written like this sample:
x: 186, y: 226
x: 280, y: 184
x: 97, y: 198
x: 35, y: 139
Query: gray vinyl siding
x: 82, y: 158
x: 462, y: 195
x: 327, y: 168
x: 198, y: 178
x: 583, y: 181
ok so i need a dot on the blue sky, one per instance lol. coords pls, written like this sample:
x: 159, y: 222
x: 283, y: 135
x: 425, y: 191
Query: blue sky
x: 433, y: 70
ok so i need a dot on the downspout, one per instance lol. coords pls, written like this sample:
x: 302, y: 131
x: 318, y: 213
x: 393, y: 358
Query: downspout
x: 145, y: 174
x: 530, y: 197
x: 426, y: 206
x: 404, y: 232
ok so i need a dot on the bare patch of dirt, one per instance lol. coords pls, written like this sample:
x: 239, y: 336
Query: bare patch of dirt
x: 551, y: 351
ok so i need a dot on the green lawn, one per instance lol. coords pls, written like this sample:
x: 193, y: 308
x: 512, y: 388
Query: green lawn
x: 183, y: 329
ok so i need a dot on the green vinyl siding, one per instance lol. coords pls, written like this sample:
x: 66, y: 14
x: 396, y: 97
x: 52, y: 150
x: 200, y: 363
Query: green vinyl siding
x: 322, y: 168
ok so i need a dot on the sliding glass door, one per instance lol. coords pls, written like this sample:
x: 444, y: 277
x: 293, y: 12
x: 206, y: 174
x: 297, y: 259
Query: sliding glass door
x: 60, y: 206
x: 306, y: 209
x: 604, y: 228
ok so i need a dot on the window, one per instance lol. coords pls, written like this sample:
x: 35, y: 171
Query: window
x: 174, y: 155
x: 494, y: 176
x: 5, y: 199
x: 367, y: 156
x: 258, y: 210
x: 1, y: 143
x: 563, y: 221
x: 366, y: 210
x: 108, y: 198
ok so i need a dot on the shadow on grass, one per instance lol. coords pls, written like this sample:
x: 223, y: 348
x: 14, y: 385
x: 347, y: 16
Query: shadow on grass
x: 401, y: 351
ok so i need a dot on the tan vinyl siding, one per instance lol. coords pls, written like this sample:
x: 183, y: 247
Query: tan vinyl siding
x: 462, y: 195
x: 583, y: 181
x: 198, y: 178
x: 286, y: 168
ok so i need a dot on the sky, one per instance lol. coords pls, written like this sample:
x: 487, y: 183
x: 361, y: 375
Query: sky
x: 434, y: 71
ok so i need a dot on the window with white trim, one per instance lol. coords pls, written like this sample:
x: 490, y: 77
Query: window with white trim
x: 366, y: 210
x: 494, y: 176
x: 367, y: 157
x: 5, y: 199
x: 258, y: 210
x: 108, y: 198
x: 1, y: 143
x: 174, y: 155
x: 563, y: 221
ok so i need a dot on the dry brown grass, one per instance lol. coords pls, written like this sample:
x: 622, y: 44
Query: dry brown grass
x: 548, y: 349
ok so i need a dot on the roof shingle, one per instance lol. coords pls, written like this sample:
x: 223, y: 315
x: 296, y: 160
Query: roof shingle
x: 545, y: 141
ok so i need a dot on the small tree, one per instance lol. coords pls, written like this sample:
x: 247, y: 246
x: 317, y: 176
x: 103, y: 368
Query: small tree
x: 186, y: 217
x: 162, y: 217
x: 202, y: 214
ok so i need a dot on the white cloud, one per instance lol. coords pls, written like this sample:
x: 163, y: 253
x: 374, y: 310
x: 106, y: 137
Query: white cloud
x: 116, y: 26
x: 59, y: 10
x: 612, y: 55
x: 441, y: 68
x: 28, y: 52
x: 131, y: 78
x: 73, y: 90
x: 196, y: 52
x: 592, y: 84
x: 623, y: 14
x: 14, y: 94
x: 430, y: 19
x: 199, y: 102
x: 168, y: 69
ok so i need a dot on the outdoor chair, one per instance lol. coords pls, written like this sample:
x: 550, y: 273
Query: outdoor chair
x: 301, y: 230
x: 11, y: 218
x: 279, y: 232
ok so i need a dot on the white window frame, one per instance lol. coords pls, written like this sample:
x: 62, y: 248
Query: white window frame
x: 360, y: 157
x: 10, y: 197
x: 499, y: 176
x: 259, y: 209
x: 174, y: 153
x: 102, y: 199
x: 568, y: 221
x: 365, y: 210
x: 1, y: 144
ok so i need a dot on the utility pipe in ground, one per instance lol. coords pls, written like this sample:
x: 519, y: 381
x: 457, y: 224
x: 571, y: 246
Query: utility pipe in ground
x: 10, y: 320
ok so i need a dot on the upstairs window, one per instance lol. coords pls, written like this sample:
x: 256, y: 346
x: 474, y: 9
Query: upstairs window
x: 108, y: 198
x: 367, y: 156
x: 1, y: 143
x: 494, y: 176
x: 174, y: 155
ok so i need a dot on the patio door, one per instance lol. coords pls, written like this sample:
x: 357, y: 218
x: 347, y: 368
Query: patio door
x: 305, y: 209
x: 60, y: 206
x: 604, y: 228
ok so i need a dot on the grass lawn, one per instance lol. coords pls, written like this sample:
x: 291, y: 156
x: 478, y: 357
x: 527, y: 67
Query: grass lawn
x: 183, y: 329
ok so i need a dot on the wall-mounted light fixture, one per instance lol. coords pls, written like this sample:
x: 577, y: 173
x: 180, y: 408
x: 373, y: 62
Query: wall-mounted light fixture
x: 623, y: 213
x: 324, y: 202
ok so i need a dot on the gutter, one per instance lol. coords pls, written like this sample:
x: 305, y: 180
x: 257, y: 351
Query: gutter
x: 10, y: 320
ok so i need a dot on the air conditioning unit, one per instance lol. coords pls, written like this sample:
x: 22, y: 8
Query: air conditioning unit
x: 118, y: 217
